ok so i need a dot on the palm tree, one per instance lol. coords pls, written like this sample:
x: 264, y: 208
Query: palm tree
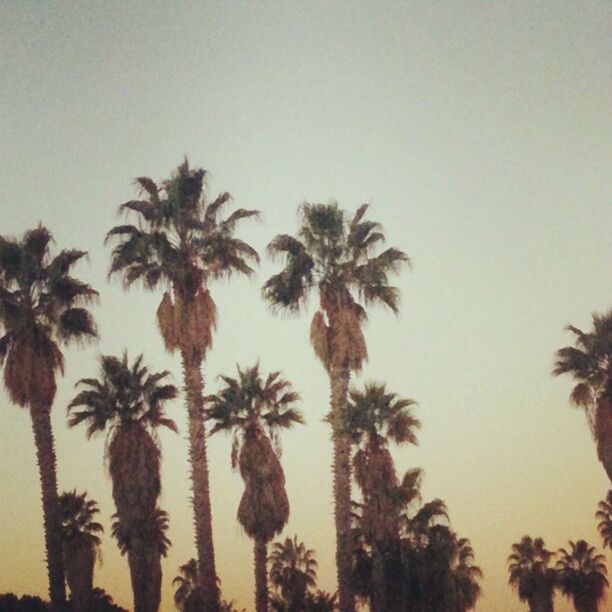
x: 181, y: 243
x: 375, y: 417
x: 590, y: 364
x: 81, y: 544
x: 334, y: 256
x: 41, y: 307
x: 127, y: 401
x: 581, y: 576
x: 466, y: 575
x: 185, y: 582
x: 247, y: 406
x: 604, y: 514
x: 531, y: 574
x: 293, y: 572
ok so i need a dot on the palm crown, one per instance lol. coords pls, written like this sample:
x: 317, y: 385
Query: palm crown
x: 41, y: 304
x: 604, y: 515
x: 528, y: 566
x: 293, y: 568
x: 335, y: 256
x: 77, y: 516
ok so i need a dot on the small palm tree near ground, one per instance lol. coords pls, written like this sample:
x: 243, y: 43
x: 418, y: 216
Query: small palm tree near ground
x: 41, y: 307
x: 531, y: 573
x: 81, y: 544
x: 376, y: 417
x: 181, y: 243
x: 293, y: 573
x: 590, y: 364
x: 254, y: 410
x: 185, y: 582
x: 334, y: 256
x: 128, y: 402
x: 604, y: 516
x: 581, y: 575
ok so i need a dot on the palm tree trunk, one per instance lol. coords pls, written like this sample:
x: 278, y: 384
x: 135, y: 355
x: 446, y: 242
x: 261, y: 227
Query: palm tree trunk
x: 378, y: 580
x: 194, y: 388
x: 339, y: 381
x: 603, y: 434
x: 261, y: 576
x: 79, y: 562
x: 45, y: 456
x: 137, y: 560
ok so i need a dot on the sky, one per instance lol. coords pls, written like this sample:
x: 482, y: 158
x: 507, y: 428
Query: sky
x: 480, y: 134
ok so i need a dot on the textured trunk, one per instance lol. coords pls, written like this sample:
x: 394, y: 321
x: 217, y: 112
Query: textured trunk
x: 378, y: 581
x: 603, y: 434
x: 261, y: 576
x: 194, y: 387
x: 79, y: 562
x: 145, y: 573
x: 45, y: 456
x: 339, y: 380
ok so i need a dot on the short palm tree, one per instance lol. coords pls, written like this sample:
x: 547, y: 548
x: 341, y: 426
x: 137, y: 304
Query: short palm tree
x: 531, y: 574
x: 466, y: 576
x: 81, y: 543
x: 185, y: 582
x: 375, y: 417
x: 581, y: 575
x: 334, y: 256
x: 604, y: 515
x: 254, y: 410
x: 181, y: 243
x: 128, y: 402
x: 41, y: 307
x: 590, y: 363
x: 293, y: 571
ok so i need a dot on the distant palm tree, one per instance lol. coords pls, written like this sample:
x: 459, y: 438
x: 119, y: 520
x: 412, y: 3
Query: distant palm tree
x: 248, y: 406
x: 604, y: 515
x: 127, y: 401
x: 185, y: 582
x: 375, y: 417
x: 581, y: 576
x: 81, y: 543
x: 466, y: 575
x: 335, y: 257
x: 590, y: 363
x: 181, y: 244
x: 531, y: 573
x: 293, y: 572
x: 41, y: 306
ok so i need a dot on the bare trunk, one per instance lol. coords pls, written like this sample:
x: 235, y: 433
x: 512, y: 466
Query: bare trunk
x: 45, y: 456
x: 138, y: 574
x: 378, y: 581
x: 339, y: 380
x: 261, y: 576
x: 194, y: 387
x: 603, y: 434
x: 79, y: 562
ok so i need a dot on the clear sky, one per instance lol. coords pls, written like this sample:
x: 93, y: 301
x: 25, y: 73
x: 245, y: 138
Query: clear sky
x: 479, y: 132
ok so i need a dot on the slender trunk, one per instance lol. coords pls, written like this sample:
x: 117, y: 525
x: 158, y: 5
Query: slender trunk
x: 79, y: 562
x: 45, y: 456
x: 339, y: 380
x: 261, y: 576
x: 378, y: 580
x: 603, y: 434
x: 194, y: 387
x: 137, y: 560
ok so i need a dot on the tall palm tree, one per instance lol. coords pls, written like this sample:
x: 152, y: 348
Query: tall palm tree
x: 181, y: 243
x: 581, y: 576
x: 293, y: 572
x: 41, y: 307
x: 375, y: 417
x: 531, y: 574
x: 81, y: 544
x: 590, y: 364
x: 128, y: 402
x: 247, y: 406
x: 335, y: 257
x: 604, y: 515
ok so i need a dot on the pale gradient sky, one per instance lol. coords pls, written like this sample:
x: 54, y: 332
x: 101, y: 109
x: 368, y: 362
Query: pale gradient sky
x: 480, y: 133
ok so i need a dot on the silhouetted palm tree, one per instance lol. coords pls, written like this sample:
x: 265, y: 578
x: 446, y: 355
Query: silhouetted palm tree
x: 581, y: 575
x: 81, y: 543
x: 293, y: 571
x: 466, y: 576
x: 41, y: 306
x: 531, y: 574
x: 185, y: 582
x: 590, y: 363
x: 127, y: 401
x: 375, y: 417
x: 247, y: 406
x: 604, y: 515
x: 181, y: 243
x: 334, y: 257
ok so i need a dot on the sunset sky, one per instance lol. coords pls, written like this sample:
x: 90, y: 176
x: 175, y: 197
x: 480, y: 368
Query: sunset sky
x: 479, y: 132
